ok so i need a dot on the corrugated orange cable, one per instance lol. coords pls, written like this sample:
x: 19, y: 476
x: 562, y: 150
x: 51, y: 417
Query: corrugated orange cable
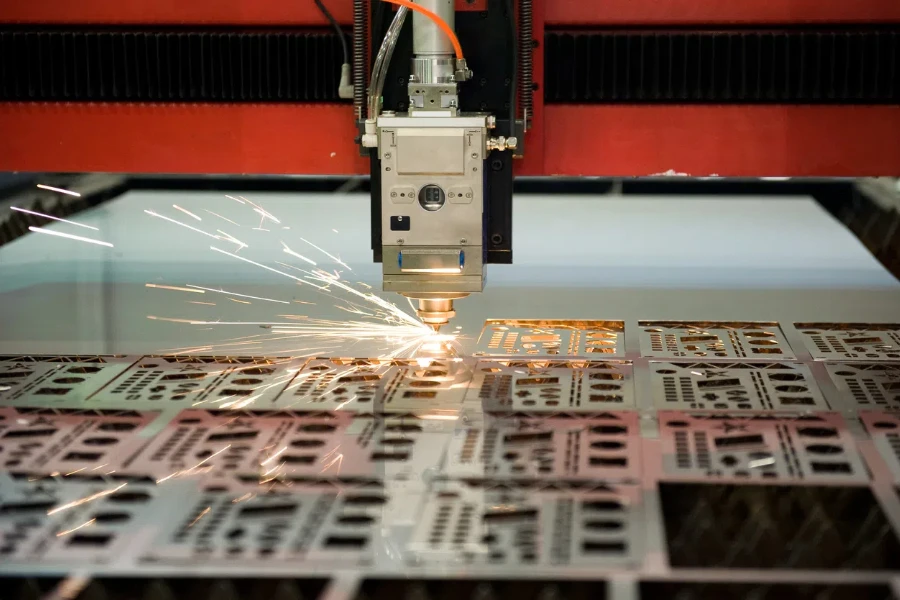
x: 437, y: 21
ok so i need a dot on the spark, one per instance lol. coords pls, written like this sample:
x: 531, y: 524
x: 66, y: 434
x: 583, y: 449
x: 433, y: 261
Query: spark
x: 172, y: 287
x: 300, y: 256
x: 68, y: 531
x: 246, y: 496
x: 233, y: 240
x: 240, y: 301
x: 334, y: 230
x: 39, y: 214
x: 440, y: 417
x: 85, y: 500
x: 177, y: 222
x: 205, y: 303
x: 60, y: 190
x: 171, y: 320
x: 202, y: 514
x: 70, y: 236
x: 221, y: 217
x: 235, y: 199
x: 187, y: 471
x: 186, y: 211
x: 331, y: 256
x: 262, y: 266
x: 261, y: 229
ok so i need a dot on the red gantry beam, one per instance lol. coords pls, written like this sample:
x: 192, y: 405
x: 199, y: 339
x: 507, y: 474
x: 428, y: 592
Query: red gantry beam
x: 577, y: 140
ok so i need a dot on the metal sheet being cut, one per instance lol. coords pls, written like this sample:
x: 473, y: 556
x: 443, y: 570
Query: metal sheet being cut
x: 595, y: 424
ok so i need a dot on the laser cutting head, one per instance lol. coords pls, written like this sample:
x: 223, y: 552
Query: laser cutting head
x: 434, y: 309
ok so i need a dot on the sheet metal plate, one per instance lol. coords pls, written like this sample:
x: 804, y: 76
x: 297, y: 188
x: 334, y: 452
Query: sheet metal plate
x: 851, y: 341
x: 714, y: 340
x: 523, y: 337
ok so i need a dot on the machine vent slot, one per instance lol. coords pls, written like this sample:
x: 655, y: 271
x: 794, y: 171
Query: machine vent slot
x: 851, y: 66
x: 168, y: 66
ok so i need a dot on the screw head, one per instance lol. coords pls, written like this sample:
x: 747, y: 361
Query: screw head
x: 387, y: 154
x: 463, y: 241
x: 399, y: 241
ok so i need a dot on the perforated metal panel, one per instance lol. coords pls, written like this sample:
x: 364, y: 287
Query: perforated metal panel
x: 601, y: 447
x: 593, y: 339
x: 55, y: 380
x: 283, y: 447
x: 342, y: 525
x: 377, y: 385
x: 529, y: 527
x: 735, y: 386
x: 760, y: 446
x: 884, y: 429
x: 69, y: 442
x: 214, y: 382
x: 867, y: 385
x: 855, y: 341
x: 551, y: 386
x: 713, y: 340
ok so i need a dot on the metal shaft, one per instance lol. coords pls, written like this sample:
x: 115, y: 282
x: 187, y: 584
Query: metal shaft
x: 428, y: 39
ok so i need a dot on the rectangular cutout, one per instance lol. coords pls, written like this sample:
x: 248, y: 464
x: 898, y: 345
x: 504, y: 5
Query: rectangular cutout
x: 268, y: 510
x: 800, y: 401
x: 510, y: 515
x: 358, y: 378
x: 299, y: 459
x: 24, y: 508
x: 231, y: 392
x: 538, y: 381
x: 83, y: 456
x: 419, y: 394
x: 14, y: 374
x: 53, y: 391
x: 719, y: 383
x: 767, y: 351
x: 537, y: 436
x: 831, y: 468
x: 609, y: 461
x: 182, y: 376
x: 346, y: 542
x: 753, y: 439
x: 605, y: 398
x: 28, y: 433
x: 232, y: 436
x: 603, y: 547
x: 390, y: 456
x: 92, y: 540
x: 699, y: 338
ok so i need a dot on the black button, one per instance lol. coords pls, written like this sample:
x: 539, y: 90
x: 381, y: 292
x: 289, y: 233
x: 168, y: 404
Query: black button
x: 399, y: 223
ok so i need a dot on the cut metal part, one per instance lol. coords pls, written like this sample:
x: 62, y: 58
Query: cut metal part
x: 871, y: 385
x: 713, y: 340
x: 735, y: 386
x: 547, y: 337
x: 855, y: 341
x: 535, y: 386
x: 759, y: 446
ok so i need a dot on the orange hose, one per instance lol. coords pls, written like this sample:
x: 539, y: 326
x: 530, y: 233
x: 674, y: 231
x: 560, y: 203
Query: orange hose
x: 437, y: 21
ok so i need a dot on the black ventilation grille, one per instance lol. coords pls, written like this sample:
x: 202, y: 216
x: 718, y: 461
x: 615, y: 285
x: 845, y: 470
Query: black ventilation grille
x: 169, y: 66
x: 859, y: 67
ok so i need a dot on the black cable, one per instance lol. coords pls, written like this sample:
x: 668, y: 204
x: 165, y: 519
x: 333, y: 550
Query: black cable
x: 337, y: 28
x: 513, y: 79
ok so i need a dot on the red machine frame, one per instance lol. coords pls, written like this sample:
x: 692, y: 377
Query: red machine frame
x: 611, y: 140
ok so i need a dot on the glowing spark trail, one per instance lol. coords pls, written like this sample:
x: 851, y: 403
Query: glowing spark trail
x: 231, y: 254
x: 331, y: 256
x: 37, y: 214
x: 300, y: 256
x: 177, y: 222
x: 186, y: 211
x: 173, y: 287
x: 84, y: 500
x: 221, y: 291
x: 68, y: 531
x: 221, y: 217
x: 60, y: 190
x: 70, y: 236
